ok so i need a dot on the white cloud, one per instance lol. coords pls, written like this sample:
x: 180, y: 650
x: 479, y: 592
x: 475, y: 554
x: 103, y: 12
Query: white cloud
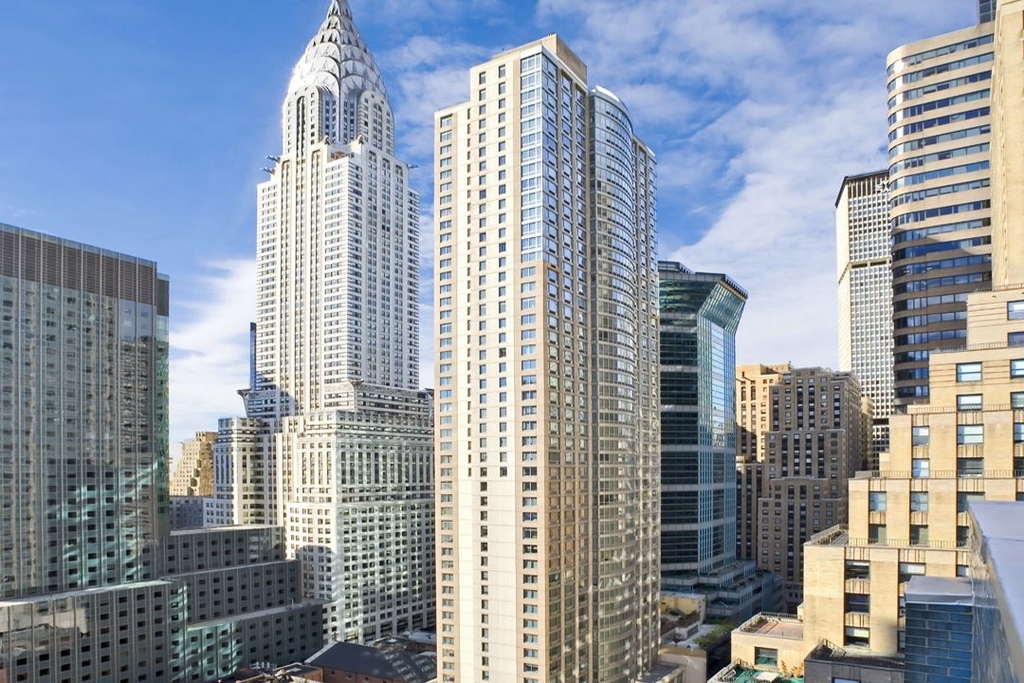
x: 774, y: 102
x: 210, y: 348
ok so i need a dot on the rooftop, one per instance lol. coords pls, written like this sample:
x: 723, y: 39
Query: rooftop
x: 774, y: 625
x: 734, y: 673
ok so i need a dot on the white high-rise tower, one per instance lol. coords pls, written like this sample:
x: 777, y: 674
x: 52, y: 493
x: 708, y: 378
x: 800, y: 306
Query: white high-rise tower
x: 341, y: 451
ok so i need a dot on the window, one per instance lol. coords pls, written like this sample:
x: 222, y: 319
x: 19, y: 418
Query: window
x: 969, y: 372
x: 1017, y: 399
x: 1015, y: 310
x: 858, y: 569
x: 920, y: 468
x: 970, y: 467
x: 1015, y: 339
x: 910, y: 569
x: 919, y: 501
x: 877, y: 533
x: 1018, y: 432
x: 963, y: 499
x: 857, y: 636
x: 876, y: 501
x: 766, y: 656
x: 1017, y: 368
x: 856, y: 602
x: 968, y: 402
x: 918, y: 534
x: 919, y: 436
x: 970, y: 434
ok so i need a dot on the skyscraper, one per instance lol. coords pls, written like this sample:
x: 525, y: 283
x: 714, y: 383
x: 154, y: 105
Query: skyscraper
x: 865, y: 295
x: 699, y: 314
x: 940, y: 209
x: 546, y: 378
x: 817, y: 437
x: 84, y: 336
x: 337, y: 441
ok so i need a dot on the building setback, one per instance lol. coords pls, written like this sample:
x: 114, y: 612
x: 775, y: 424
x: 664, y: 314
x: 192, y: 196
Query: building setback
x: 546, y: 378
x: 817, y: 438
x: 336, y: 444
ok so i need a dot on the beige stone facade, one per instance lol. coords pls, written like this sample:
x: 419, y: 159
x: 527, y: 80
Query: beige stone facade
x: 194, y: 474
x: 815, y: 435
x: 1008, y: 143
x: 548, y: 524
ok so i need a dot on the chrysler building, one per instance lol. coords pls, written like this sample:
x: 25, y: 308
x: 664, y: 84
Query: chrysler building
x: 337, y: 442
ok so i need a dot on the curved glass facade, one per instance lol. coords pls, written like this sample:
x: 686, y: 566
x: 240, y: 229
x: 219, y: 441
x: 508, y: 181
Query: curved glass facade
x: 939, y: 130
x: 699, y: 316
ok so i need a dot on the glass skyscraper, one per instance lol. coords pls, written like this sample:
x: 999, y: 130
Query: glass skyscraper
x: 939, y: 196
x: 699, y: 314
x: 83, y: 424
x: 83, y: 458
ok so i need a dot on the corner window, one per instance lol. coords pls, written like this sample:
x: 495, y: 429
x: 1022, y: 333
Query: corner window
x: 970, y: 372
x: 968, y: 402
x: 1017, y: 368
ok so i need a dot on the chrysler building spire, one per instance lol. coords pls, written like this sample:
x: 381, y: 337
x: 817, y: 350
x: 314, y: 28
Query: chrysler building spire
x: 336, y: 90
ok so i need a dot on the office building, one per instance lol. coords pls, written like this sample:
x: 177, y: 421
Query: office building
x: 87, y: 593
x: 940, y: 203
x: 546, y: 378
x: 817, y: 437
x: 83, y: 448
x: 699, y: 314
x: 865, y: 295
x: 336, y: 444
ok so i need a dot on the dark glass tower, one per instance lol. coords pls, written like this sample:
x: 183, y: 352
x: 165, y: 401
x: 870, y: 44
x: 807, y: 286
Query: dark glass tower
x: 699, y: 316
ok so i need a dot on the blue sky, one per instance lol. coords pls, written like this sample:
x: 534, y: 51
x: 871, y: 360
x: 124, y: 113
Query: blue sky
x: 142, y: 125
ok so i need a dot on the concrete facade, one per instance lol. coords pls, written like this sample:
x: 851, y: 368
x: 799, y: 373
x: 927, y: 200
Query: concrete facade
x: 546, y: 378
